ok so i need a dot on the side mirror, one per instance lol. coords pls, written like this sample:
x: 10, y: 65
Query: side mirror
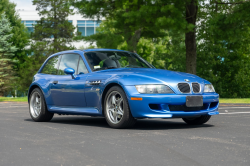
x: 70, y: 71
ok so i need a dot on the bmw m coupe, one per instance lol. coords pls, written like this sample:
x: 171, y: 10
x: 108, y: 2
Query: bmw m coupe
x: 119, y: 85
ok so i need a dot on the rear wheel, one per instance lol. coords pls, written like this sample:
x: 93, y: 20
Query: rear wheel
x: 116, y: 109
x: 37, y: 107
x: 197, y: 121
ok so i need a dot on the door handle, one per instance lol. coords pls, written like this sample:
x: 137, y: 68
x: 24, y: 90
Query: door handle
x: 55, y: 82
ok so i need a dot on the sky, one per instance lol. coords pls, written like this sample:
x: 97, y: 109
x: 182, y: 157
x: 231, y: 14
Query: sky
x: 24, y: 4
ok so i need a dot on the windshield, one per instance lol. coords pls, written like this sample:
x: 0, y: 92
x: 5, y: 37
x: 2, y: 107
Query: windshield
x: 101, y: 60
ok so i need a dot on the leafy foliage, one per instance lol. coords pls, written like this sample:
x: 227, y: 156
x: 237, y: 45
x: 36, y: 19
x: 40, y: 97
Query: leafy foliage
x: 6, y: 53
x: 222, y: 46
x: 136, y: 19
x: 28, y: 69
x: 154, y: 29
x: 166, y: 53
x: 53, y: 32
x: 223, y: 49
x: 20, y: 36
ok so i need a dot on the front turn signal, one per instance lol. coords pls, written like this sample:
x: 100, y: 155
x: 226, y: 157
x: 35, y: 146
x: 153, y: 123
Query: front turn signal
x: 136, y: 98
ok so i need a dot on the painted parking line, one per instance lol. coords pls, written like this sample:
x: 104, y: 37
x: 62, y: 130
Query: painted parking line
x: 228, y: 113
x: 232, y: 107
x: 7, y: 105
x: 13, y: 107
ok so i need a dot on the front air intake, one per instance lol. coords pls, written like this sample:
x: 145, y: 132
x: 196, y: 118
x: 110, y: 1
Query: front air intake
x: 184, y: 87
x: 185, y: 108
x: 196, y: 87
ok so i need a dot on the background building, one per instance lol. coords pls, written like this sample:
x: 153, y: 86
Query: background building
x: 85, y: 26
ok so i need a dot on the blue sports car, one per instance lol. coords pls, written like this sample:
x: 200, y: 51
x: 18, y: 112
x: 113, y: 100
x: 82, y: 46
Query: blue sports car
x: 119, y: 85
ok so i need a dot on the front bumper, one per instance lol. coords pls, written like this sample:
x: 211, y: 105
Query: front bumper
x: 162, y: 105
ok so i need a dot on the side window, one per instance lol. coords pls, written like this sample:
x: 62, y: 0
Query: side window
x: 82, y: 68
x: 51, y: 66
x: 68, y: 60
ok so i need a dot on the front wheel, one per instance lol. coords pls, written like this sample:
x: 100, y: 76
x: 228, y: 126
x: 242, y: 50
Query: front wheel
x: 37, y: 107
x: 116, y: 109
x: 197, y: 121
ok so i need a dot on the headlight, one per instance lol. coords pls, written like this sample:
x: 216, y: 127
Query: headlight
x: 153, y: 89
x: 209, y: 88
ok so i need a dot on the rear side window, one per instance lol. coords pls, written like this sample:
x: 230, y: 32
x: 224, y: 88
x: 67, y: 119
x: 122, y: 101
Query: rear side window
x: 68, y: 61
x: 51, y: 66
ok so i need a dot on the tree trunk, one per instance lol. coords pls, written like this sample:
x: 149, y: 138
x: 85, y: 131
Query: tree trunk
x: 132, y: 41
x: 55, y: 43
x: 1, y: 94
x: 190, y: 37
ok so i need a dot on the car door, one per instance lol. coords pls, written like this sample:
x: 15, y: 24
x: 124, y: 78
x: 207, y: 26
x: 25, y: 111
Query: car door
x: 48, y: 75
x: 65, y: 91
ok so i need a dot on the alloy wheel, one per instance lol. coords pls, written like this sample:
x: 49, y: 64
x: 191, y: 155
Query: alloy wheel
x: 35, y: 104
x: 114, y: 107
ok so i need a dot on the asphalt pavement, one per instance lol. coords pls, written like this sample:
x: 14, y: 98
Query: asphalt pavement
x: 84, y: 140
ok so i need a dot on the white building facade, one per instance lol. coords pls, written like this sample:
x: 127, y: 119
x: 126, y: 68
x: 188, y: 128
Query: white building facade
x: 85, y: 26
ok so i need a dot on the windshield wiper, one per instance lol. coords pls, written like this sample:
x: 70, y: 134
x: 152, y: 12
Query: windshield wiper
x: 103, y: 68
x: 112, y: 67
x: 133, y: 66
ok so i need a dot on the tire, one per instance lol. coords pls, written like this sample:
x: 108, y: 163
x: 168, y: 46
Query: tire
x: 37, y: 107
x: 116, y: 109
x: 197, y: 121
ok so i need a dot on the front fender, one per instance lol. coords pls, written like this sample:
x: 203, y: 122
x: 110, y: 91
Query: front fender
x: 33, y: 86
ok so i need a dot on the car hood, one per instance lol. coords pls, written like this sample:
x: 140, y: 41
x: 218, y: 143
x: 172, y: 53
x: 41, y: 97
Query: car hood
x: 137, y: 76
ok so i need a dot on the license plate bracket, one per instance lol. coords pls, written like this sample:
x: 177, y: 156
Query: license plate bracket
x: 194, y: 101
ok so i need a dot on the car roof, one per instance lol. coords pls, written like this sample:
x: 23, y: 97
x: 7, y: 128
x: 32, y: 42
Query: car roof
x: 100, y: 49
x: 88, y: 50
x: 92, y: 49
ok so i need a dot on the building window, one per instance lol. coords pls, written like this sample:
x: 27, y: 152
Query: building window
x: 87, y: 27
x: 29, y: 24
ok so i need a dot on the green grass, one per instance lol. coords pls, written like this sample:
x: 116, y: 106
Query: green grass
x: 222, y: 100
x: 238, y: 100
x: 18, y: 99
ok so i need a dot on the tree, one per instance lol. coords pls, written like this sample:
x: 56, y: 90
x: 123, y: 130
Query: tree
x: 20, y: 36
x: 29, y: 68
x: 165, y: 53
x: 221, y: 36
x: 6, y: 53
x: 190, y: 36
x: 53, y: 32
x: 136, y: 19
x: 107, y: 36
x: 224, y: 47
x: 146, y: 18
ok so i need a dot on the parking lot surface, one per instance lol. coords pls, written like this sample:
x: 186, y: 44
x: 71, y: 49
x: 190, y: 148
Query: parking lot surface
x: 84, y: 140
